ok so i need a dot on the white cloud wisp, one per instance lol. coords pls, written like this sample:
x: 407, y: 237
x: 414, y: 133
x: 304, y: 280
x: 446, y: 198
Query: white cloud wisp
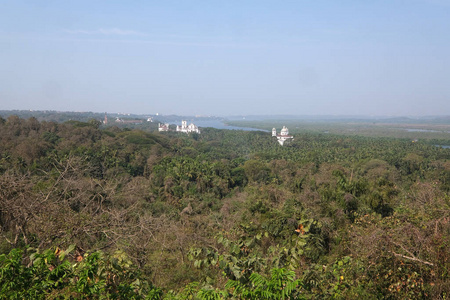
x: 102, y: 31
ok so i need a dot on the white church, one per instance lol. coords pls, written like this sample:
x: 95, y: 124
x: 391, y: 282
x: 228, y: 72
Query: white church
x: 283, y: 136
x: 187, y: 128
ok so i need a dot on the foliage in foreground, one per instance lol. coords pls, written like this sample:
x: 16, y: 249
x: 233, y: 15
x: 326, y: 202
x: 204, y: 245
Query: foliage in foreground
x: 52, y: 275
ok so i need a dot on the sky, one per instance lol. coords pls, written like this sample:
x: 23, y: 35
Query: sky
x: 348, y: 57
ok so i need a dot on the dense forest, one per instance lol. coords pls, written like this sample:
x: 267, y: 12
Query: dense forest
x: 96, y: 212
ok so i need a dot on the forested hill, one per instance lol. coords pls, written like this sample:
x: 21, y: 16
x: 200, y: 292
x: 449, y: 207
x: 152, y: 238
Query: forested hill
x: 115, y: 213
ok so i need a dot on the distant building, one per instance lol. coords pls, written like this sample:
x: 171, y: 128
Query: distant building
x: 283, y: 136
x: 163, y: 127
x: 183, y: 128
x: 105, y: 121
x: 187, y: 128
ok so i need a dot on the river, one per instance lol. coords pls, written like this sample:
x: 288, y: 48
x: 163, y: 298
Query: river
x: 218, y: 124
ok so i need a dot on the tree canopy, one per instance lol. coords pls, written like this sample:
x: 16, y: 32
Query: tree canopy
x: 102, y: 212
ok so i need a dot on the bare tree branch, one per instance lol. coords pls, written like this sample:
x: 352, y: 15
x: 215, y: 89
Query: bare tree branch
x: 412, y: 258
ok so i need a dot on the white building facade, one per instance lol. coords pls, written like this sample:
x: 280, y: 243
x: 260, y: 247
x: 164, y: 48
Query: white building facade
x: 187, y: 128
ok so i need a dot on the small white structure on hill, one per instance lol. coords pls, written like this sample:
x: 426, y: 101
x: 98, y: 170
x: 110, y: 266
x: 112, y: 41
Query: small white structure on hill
x: 283, y: 136
x: 187, y: 128
x: 163, y: 127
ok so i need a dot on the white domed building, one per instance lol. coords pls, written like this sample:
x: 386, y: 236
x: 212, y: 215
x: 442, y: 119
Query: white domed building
x: 283, y: 136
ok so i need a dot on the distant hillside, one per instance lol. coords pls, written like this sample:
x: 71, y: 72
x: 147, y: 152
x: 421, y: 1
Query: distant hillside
x: 51, y: 115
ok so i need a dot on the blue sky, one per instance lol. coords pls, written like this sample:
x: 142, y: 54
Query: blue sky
x: 227, y: 57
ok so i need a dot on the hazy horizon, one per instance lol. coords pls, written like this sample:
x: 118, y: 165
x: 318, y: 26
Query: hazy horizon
x: 231, y: 116
x: 321, y: 58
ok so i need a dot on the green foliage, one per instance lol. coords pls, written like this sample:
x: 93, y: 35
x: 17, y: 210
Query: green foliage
x: 138, y: 137
x: 280, y: 285
x: 90, y: 123
x: 237, y: 261
x: 50, y: 274
x: 50, y: 137
x: 256, y: 170
x: 352, y: 216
